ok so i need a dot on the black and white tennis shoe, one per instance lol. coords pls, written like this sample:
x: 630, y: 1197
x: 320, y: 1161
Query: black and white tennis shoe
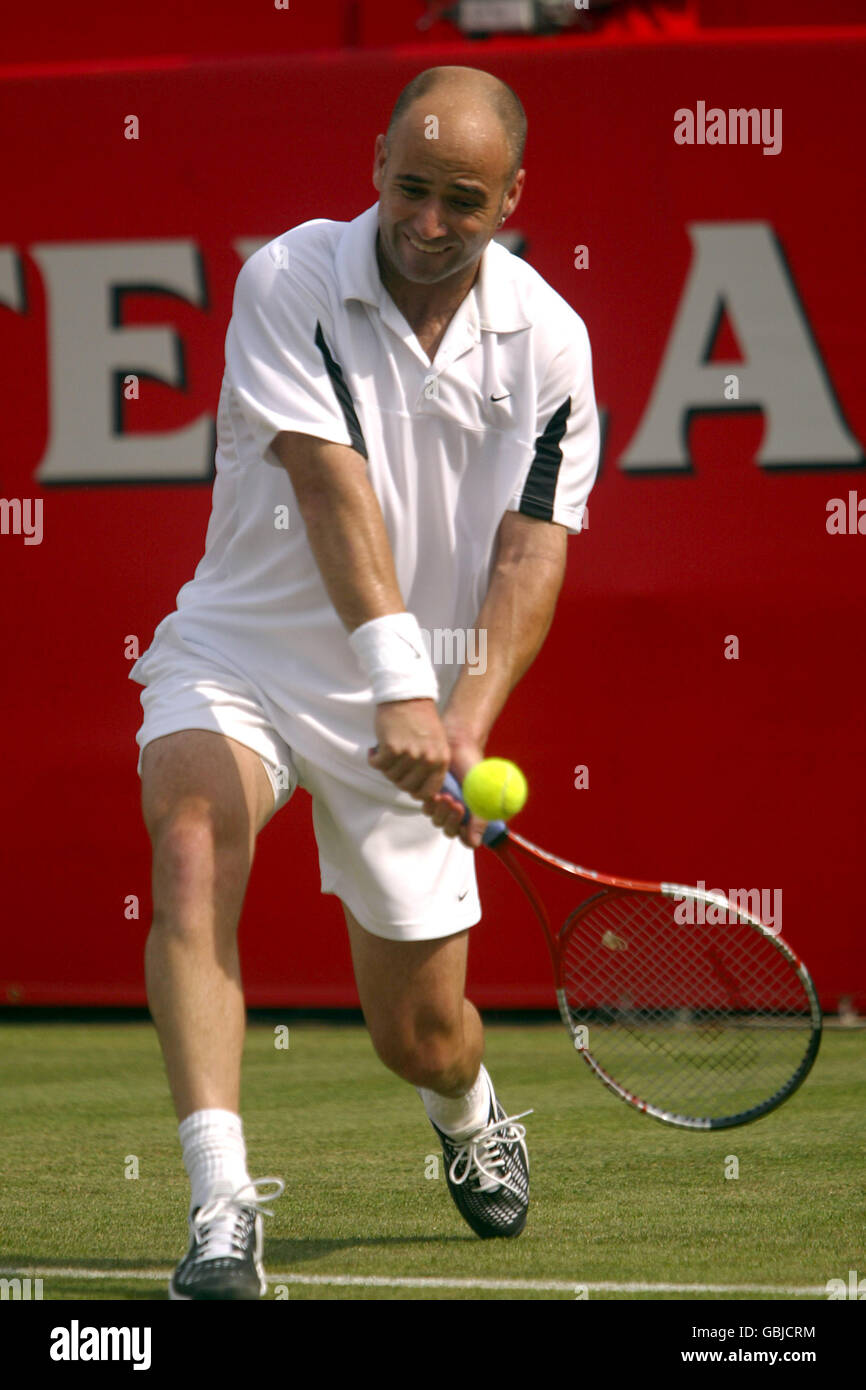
x: 224, y: 1260
x: 488, y: 1173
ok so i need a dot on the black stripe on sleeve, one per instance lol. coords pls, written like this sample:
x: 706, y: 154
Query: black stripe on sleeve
x: 540, y: 486
x: 341, y: 391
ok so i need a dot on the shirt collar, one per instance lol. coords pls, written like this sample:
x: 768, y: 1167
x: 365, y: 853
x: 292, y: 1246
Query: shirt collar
x: 496, y: 293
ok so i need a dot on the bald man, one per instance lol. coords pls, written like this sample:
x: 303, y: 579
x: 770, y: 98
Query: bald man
x: 407, y: 435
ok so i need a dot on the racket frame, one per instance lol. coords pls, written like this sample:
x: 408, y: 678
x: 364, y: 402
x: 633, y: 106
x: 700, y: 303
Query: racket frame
x: 505, y: 842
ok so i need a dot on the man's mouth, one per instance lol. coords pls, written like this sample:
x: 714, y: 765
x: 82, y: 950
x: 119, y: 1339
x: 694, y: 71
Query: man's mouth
x: 427, y: 250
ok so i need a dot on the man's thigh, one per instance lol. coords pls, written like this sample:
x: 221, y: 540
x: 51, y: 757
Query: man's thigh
x: 206, y: 741
x: 201, y: 775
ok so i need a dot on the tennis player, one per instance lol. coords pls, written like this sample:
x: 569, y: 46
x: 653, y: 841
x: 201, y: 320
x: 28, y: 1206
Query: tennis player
x: 407, y: 434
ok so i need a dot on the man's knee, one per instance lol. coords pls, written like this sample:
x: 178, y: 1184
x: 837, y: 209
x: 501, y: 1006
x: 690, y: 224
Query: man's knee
x: 199, y: 778
x: 200, y: 869
x: 430, y: 1055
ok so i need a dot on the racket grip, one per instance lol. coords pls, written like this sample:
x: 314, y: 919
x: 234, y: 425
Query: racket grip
x: 495, y: 828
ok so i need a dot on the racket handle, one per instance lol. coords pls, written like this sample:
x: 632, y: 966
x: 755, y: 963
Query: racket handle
x: 495, y: 828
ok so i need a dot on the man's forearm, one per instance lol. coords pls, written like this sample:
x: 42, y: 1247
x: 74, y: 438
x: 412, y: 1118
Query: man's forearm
x: 516, y: 616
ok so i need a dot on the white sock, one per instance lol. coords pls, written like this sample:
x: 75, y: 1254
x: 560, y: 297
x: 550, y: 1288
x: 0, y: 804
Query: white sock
x: 214, y: 1154
x: 459, y: 1116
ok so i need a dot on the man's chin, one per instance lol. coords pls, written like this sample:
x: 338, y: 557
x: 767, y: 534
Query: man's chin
x: 419, y: 267
x: 421, y: 275
x: 425, y: 269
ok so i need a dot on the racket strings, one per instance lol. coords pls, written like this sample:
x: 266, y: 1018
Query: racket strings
x: 695, y: 1017
x: 748, y: 969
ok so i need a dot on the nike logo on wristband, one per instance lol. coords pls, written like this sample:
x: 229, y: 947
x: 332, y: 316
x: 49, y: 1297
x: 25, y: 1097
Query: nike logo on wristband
x: 410, y: 645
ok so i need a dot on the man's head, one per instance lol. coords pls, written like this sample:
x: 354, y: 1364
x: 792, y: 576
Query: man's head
x: 447, y: 171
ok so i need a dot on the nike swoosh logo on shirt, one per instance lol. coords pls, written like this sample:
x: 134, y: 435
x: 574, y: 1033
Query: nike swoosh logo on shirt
x: 501, y: 398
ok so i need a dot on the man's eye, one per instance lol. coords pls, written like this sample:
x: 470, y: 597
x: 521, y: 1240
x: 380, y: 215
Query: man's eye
x: 411, y: 192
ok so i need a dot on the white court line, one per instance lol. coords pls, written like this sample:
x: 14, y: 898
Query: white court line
x: 362, y: 1281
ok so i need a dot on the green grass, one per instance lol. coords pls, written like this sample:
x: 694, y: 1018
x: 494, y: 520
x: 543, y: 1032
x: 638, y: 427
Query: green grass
x: 615, y: 1196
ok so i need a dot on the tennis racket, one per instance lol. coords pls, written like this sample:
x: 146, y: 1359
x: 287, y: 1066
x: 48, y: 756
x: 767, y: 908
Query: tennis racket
x: 685, y: 1005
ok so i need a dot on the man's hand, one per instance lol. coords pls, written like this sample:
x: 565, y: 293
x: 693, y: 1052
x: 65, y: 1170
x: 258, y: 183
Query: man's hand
x: 414, y: 753
x: 412, y: 747
x: 443, y: 810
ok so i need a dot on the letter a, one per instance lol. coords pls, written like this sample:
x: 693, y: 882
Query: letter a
x: 837, y: 521
x: 684, y: 126
x: 741, y: 265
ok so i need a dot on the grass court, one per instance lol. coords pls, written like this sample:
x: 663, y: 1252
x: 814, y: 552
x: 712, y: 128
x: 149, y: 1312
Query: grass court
x: 622, y: 1206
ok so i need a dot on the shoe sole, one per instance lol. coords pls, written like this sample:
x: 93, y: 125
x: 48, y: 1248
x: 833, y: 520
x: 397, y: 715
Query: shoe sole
x: 175, y: 1297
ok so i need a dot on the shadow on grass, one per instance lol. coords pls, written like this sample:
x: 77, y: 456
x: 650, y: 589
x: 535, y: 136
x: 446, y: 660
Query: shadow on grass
x: 23, y: 1265
x: 290, y: 1252
x: 285, y: 1251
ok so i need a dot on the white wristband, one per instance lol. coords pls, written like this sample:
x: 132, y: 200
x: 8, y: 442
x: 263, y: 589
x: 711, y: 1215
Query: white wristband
x: 393, y: 657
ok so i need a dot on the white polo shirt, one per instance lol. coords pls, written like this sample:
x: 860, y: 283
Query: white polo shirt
x: 503, y: 419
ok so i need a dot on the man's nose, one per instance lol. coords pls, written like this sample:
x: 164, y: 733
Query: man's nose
x: 427, y: 224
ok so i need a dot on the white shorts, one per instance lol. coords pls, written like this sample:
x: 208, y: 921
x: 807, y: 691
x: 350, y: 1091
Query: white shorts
x: 395, y: 871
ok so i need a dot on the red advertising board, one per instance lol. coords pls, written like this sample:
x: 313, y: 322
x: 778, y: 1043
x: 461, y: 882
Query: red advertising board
x: 696, y: 713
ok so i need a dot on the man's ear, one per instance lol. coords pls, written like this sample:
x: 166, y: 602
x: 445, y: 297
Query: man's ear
x: 513, y: 193
x: 379, y: 157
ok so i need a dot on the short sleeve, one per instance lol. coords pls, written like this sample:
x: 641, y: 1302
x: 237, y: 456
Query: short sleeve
x: 564, y: 463
x: 279, y: 362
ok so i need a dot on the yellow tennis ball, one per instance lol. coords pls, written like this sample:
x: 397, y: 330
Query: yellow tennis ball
x: 495, y: 789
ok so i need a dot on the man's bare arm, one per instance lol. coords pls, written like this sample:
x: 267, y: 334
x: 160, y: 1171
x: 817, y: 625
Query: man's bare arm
x: 517, y: 613
x: 344, y: 525
x: 347, y: 535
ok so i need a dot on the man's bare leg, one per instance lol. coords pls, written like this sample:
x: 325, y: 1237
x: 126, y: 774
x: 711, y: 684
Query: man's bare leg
x: 426, y: 1030
x: 204, y: 800
x: 412, y: 993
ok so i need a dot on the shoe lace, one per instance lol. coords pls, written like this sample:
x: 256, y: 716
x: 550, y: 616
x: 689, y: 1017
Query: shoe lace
x: 483, y: 1154
x: 221, y: 1226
